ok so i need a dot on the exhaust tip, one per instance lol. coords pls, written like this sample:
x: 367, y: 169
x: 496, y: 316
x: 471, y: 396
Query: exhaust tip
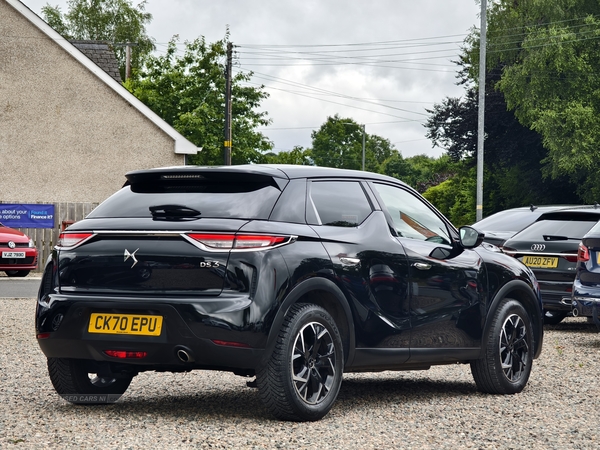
x: 184, y: 355
x: 575, y: 312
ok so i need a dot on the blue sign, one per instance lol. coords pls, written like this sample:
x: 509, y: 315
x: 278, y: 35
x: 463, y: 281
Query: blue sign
x: 27, y: 216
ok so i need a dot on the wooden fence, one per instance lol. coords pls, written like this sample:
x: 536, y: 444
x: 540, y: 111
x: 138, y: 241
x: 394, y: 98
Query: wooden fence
x: 45, y: 238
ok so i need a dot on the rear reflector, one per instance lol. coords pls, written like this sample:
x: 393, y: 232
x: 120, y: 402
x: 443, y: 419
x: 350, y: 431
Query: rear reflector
x: 72, y: 239
x: 122, y: 354
x: 43, y: 335
x: 240, y: 241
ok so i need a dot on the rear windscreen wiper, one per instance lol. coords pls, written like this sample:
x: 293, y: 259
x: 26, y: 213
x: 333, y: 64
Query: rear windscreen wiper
x: 173, y: 212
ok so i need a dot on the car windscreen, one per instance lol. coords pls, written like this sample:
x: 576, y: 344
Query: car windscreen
x: 227, y: 199
x: 507, y: 221
x: 573, y: 228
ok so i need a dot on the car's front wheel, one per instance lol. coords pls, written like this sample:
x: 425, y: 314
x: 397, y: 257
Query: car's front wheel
x: 73, y: 381
x: 506, y: 365
x: 303, y: 376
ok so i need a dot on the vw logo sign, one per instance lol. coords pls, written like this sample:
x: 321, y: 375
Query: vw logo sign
x: 538, y: 247
x: 11, y: 244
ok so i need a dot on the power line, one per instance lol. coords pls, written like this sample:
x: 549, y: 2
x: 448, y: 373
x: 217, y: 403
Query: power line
x: 343, y: 104
x: 335, y: 94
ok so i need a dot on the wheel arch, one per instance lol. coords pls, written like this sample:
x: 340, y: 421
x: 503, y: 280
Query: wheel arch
x: 322, y: 292
x: 520, y: 291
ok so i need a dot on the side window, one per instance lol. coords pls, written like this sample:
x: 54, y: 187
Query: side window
x: 339, y: 203
x: 412, y: 218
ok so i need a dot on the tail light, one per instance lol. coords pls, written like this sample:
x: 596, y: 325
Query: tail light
x: 239, y: 241
x: 72, y: 239
x: 572, y: 258
x: 583, y: 254
x: 249, y: 241
x: 216, y: 241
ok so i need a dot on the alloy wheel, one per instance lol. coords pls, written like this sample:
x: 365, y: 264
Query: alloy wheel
x: 514, y: 348
x: 313, y: 363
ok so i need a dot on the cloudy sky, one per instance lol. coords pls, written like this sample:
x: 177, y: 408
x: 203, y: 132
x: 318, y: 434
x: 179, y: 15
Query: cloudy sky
x: 378, y: 62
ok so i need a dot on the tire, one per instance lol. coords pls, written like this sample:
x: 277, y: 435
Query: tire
x: 17, y: 273
x: 506, y: 365
x: 553, y: 317
x: 75, y: 384
x: 302, y: 378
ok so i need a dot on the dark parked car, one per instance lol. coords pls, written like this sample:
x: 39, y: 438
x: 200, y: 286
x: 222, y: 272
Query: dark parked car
x: 505, y: 224
x: 549, y: 248
x: 586, y: 287
x: 291, y: 274
x: 18, y: 255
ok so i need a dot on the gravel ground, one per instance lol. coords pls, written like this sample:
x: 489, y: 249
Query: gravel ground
x: 435, y: 409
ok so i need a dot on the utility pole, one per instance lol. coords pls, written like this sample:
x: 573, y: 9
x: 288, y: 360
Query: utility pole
x: 227, y: 135
x: 127, y: 46
x: 481, y: 111
x: 127, y: 61
x: 363, y: 149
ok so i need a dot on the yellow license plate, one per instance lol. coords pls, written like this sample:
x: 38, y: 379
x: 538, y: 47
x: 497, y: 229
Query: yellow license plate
x: 133, y: 324
x: 540, y: 262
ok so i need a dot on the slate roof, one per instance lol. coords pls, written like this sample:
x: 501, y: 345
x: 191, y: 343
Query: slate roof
x: 102, y: 54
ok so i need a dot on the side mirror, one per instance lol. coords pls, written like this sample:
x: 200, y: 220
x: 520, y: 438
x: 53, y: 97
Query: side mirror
x: 470, y: 237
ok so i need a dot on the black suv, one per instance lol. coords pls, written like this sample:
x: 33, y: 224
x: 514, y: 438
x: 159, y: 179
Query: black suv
x: 292, y: 274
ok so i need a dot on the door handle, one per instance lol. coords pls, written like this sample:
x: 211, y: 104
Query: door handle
x: 422, y: 266
x: 349, y: 261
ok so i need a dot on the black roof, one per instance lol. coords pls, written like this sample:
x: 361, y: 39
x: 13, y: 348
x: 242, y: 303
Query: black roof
x: 285, y: 171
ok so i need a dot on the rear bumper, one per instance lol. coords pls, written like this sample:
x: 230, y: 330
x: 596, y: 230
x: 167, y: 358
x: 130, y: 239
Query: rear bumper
x: 211, y: 341
x: 556, y: 296
x: 166, y: 356
x: 586, y: 302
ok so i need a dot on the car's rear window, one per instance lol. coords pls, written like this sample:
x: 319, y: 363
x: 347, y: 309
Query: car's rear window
x: 569, y: 228
x: 507, y: 221
x: 227, y: 199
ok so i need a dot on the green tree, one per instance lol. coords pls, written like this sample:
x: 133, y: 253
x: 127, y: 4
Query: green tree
x: 339, y: 143
x: 114, y: 21
x: 188, y: 92
x: 455, y: 197
x: 550, y: 57
x: 513, y: 153
x: 398, y: 167
x: 298, y: 156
